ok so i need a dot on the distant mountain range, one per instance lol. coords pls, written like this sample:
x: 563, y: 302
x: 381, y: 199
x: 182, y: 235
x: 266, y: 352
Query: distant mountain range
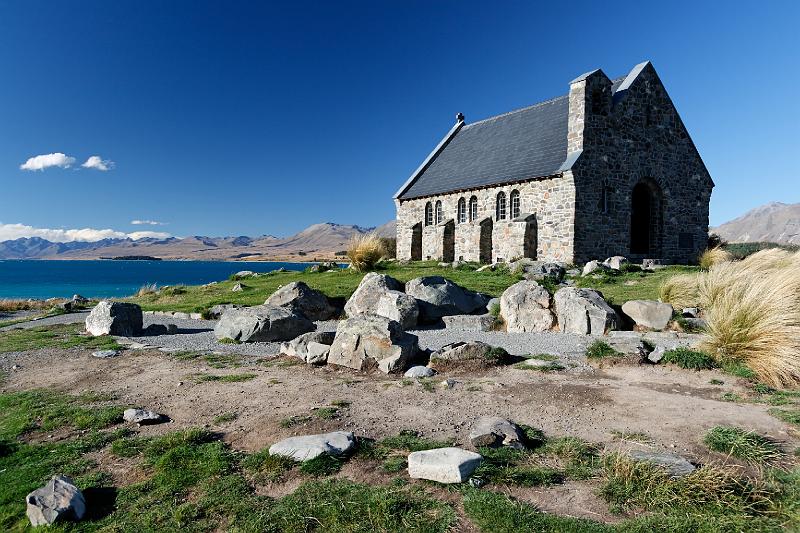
x: 320, y: 241
x: 773, y: 222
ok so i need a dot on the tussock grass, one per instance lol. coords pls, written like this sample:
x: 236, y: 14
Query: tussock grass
x: 10, y: 305
x: 713, y: 256
x: 146, y: 289
x: 681, y: 290
x: 745, y: 445
x: 364, y: 251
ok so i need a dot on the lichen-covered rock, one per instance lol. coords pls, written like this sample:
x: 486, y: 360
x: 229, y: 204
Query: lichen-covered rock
x: 438, y: 297
x: 368, y: 341
x: 303, y: 299
x: 494, y: 431
x: 262, y: 323
x: 58, y: 500
x: 114, y: 318
x: 400, y: 307
x: 444, y: 465
x: 307, y: 447
x: 525, y: 307
x: 583, y: 311
x: 365, y: 298
x: 648, y: 313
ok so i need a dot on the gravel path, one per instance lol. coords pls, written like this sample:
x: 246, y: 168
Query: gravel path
x: 70, y: 318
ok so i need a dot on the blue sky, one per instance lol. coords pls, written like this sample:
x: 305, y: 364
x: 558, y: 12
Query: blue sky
x: 228, y: 118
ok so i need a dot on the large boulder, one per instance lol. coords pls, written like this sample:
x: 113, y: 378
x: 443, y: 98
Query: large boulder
x: 307, y: 346
x: 525, y: 307
x: 307, y: 447
x: 58, y: 500
x: 445, y: 465
x: 301, y: 298
x: 584, y: 311
x: 648, y: 313
x: 400, y: 307
x: 114, y: 318
x: 438, y: 297
x: 262, y: 323
x: 494, y: 431
x: 368, y: 341
x: 462, y: 351
x: 381, y: 295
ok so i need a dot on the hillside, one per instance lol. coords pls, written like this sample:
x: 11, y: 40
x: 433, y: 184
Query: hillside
x: 773, y: 222
x: 319, y: 241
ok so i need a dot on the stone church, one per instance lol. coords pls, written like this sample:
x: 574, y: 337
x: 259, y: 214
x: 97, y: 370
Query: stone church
x: 608, y: 169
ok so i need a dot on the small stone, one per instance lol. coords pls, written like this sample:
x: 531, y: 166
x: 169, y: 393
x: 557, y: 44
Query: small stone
x: 656, y: 355
x: 105, y: 354
x: 675, y: 465
x: 495, y: 431
x: 307, y: 447
x: 143, y: 417
x: 419, y: 372
x: 448, y: 383
x: 238, y: 288
x: 58, y: 500
x: 444, y: 465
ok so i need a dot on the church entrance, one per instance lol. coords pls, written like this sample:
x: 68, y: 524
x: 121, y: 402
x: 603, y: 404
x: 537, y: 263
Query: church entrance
x: 646, y: 219
x: 416, y: 242
x: 485, y: 255
x: 531, y: 238
x: 449, y: 242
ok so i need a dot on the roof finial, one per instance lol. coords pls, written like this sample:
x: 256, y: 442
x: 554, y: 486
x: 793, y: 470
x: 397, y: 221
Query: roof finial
x: 459, y: 117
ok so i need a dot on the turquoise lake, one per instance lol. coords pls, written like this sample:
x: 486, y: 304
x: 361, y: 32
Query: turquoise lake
x: 102, y: 279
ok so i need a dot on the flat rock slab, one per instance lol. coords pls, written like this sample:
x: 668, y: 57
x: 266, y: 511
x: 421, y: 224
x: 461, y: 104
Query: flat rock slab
x: 58, y: 500
x: 469, y: 322
x: 419, y: 372
x: 445, y: 465
x: 105, y: 354
x: 143, y: 417
x: 675, y: 465
x: 307, y: 447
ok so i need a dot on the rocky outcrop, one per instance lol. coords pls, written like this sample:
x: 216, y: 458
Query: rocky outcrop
x: 114, y: 318
x: 57, y: 501
x: 648, y: 313
x: 399, y: 307
x: 444, y: 465
x: 261, y: 323
x: 302, y: 299
x: 307, y: 447
x: 382, y: 295
x: 368, y: 341
x: 583, y: 311
x: 525, y: 307
x: 438, y: 297
x: 494, y: 431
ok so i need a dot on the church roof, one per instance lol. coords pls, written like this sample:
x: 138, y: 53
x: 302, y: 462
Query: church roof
x: 523, y: 144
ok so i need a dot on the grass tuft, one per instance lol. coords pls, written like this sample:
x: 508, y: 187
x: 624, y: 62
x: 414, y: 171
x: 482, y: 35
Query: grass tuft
x: 689, y: 359
x: 745, y: 445
x: 364, y: 251
x: 713, y: 256
x: 600, y: 349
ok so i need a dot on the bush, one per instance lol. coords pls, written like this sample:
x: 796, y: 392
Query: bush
x: 364, y: 251
x: 713, y: 256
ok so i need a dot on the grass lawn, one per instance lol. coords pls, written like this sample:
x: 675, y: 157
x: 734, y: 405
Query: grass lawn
x: 341, y: 284
x: 56, y: 336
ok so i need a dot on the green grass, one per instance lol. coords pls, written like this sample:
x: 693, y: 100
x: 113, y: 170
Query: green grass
x: 294, y: 420
x: 600, y: 349
x: 224, y: 378
x: 792, y: 416
x: 612, y: 283
x: 56, y: 336
x: 632, y: 436
x: 224, y: 418
x: 745, y: 445
x: 326, y: 413
x: 214, y: 360
x: 689, y: 359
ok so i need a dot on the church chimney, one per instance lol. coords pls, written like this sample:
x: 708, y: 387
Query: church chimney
x: 589, y: 104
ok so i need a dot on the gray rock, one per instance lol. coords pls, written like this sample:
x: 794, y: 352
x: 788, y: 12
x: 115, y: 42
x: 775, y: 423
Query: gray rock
x: 307, y: 447
x: 105, y: 354
x: 690, y: 312
x: 57, y: 501
x: 398, y: 306
x: 317, y: 353
x: 438, y: 297
x: 538, y: 270
x: 648, y: 313
x: 444, y: 465
x: 656, y: 355
x: 583, y: 311
x: 615, y: 262
x: 675, y: 465
x: 262, y: 323
x: 216, y: 311
x: 494, y: 431
x: 77, y: 299
x: 419, y: 372
x: 696, y: 323
x: 593, y: 266
x: 180, y: 315
x: 462, y: 351
x: 143, y: 417
x: 469, y: 322
x: 298, y: 347
x: 367, y: 341
x: 365, y: 298
x: 303, y: 299
x: 114, y: 318
x: 448, y: 383
x: 244, y: 274
x: 525, y: 308
x: 239, y: 287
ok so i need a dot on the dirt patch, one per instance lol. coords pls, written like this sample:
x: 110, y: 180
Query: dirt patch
x: 576, y: 499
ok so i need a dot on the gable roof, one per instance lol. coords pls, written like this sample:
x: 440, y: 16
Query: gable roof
x: 516, y: 146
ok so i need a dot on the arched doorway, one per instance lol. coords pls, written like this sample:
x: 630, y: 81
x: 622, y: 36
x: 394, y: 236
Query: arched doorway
x: 416, y: 242
x: 449, y: 242
x: 531, y: 237
x: 646, y: 219
x: 485, y: 241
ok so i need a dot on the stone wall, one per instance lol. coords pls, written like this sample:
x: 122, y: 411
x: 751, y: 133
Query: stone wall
x: 550, y: 200
x: 636, y: 137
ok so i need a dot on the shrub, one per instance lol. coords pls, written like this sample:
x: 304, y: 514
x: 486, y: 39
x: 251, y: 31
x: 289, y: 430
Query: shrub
x: 713, y: 256
x: 746, y: 445
x: 689, y: 359
x: 364, y: 251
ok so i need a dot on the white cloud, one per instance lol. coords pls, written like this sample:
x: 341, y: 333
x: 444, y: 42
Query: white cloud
x: 41, y: 162
x: 147, y: 223
x: 17, y: 231
x: 97, y: 163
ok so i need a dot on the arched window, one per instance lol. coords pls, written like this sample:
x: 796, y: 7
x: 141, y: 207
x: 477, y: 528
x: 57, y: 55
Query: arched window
x: 428, y: 214
x: 473, y: 209
x: 500, y: 206
x: 438, y: 211
x: 515, y: 204
x: 462, y: 210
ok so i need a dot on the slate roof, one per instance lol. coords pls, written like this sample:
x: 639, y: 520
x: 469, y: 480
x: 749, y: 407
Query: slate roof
x: 520, y: 145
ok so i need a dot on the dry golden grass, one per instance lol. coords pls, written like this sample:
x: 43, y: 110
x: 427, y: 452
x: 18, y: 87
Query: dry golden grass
x: 364, y: 251
x: 10, y: 305
x: 713, y: 256
x: 681, y: 290
x: 147, y: 288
